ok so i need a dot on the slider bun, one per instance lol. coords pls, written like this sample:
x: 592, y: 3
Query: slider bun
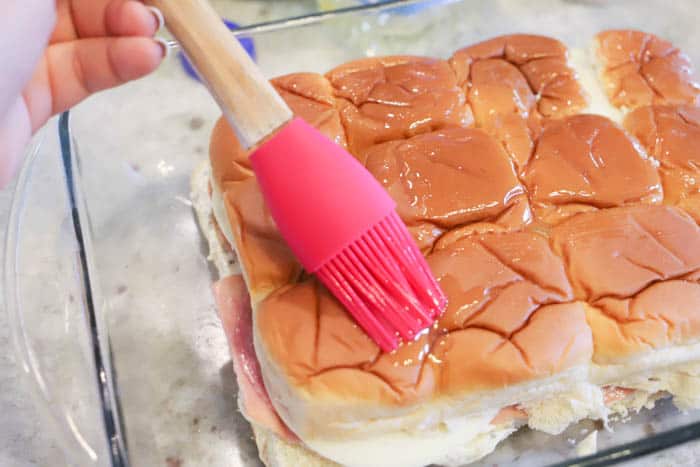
x: 671, y: 134
x: 641, y: 69
x: 506, y: 292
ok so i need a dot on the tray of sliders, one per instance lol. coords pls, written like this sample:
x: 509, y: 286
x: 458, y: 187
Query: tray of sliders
x: 544, y: 158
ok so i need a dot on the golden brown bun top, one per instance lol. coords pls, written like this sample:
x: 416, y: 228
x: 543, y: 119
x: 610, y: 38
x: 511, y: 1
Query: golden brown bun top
x: 310, y: 97
x: 642, y: 69
x: 596, y: 166
x: 600, y: 263
x: 449, y: 177
x: 390, y: 98
x: 661, y: 315
x: 671, y: 134
x: 618, y: 252
x: 638, y: 269
x: 537, y: 67
x: 512, y: 82
x: 504, y: 289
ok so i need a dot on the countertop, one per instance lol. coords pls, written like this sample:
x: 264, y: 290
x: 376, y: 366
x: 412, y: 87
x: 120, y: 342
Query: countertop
x: 25, y: 442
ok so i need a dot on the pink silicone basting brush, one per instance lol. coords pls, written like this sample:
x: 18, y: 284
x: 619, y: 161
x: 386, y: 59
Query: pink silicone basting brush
x: 337, y: 219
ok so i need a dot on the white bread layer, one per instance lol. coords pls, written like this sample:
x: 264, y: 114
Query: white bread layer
x: 586, y: 66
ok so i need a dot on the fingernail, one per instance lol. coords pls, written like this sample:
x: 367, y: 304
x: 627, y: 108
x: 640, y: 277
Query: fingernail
x: 164, y: 44
x: 158, y: 15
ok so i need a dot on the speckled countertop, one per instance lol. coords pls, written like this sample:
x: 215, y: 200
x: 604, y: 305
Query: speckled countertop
x: 25, y: 441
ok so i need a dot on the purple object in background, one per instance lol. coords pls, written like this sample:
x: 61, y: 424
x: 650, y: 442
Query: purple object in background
x: 246, y: 42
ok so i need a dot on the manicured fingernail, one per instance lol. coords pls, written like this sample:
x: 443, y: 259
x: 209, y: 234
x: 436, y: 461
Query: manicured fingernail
x: 164, y: 44
x: 158, y: 15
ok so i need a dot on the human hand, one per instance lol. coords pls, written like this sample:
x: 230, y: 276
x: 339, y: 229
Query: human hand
x: 55, y: 53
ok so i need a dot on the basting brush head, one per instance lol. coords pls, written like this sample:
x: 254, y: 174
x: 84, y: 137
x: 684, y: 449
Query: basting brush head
x: 334, y: 215
x: 342, y: 226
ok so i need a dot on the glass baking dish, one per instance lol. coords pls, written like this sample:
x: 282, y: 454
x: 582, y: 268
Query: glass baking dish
x: 107, y: 282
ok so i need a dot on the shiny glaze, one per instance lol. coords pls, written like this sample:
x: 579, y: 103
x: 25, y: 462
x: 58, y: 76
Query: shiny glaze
x: 671, y: 134
x: 505, y: 291
x: 641, y: 69
x: 618, y: 252
x: 389, y: 98
x: 512, y: 82
x: 596, y: 166
x: 449, y: 177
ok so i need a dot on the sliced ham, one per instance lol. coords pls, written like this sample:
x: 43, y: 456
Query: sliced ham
x: 233, y: 303
x: 509, y: 414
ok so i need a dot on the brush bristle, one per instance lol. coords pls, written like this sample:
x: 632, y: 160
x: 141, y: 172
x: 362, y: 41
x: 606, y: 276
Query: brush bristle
x: 383, y: 280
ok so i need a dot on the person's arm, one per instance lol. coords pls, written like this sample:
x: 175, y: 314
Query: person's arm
x: 55, y: 53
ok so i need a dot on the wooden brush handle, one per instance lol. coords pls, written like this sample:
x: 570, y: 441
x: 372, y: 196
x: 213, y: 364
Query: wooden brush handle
x: 251, y: 105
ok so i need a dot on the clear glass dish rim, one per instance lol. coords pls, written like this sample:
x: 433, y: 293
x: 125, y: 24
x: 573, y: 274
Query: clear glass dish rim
x: 101, y: 363
x: 111, y: 406
x: 319, y: 16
